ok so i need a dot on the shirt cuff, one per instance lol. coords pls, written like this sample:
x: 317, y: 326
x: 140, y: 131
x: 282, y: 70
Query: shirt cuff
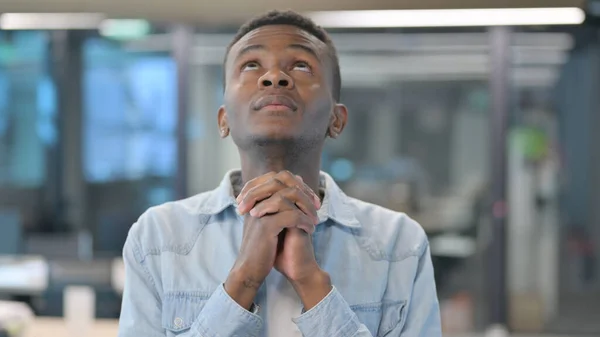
x: 222, y: 316
x: 331, y: 317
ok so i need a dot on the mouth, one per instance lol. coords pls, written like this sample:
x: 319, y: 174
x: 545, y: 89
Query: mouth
x: 275, y: 103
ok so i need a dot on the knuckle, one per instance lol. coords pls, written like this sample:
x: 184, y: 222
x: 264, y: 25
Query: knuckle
x: 260, y: 221
x: 251, y: 182
x: 261, y: 224
x: 264, y: 177
x: 258, y: 207
x: 295, y: 191
x: 276, y: 181
x: 265, y: 204
x: 286, y: 176
x: 286, y: 173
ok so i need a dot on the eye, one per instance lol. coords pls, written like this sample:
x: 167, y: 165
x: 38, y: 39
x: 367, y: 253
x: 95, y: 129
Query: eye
x: 302, y: 66
x: 249, y: 66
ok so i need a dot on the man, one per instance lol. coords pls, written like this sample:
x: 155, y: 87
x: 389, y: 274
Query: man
x: 278, y: 249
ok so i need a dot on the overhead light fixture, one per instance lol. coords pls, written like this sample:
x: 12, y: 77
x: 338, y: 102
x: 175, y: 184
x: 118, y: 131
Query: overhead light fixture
x: 449, y: 17
x: 50, y: 21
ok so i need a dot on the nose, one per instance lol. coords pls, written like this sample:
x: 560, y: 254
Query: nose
x: 275, y: 79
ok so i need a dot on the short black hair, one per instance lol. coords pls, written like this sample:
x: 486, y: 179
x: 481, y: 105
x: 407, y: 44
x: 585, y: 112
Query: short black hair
x: 289, y: 17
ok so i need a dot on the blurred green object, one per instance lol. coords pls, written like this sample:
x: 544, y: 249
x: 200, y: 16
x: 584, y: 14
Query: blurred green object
x: 533, y: 142
x: 124, y: 29
x: 7, y: 53
x: 479, y: 100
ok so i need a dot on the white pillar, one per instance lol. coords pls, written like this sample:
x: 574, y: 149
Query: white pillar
x: 209, y: 157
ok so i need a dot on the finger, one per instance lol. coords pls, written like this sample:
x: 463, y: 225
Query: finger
x: 303, y: 202
x: 253, y: 183
x: 304, y: 222
x: 316, y: 199
x: 294, y: 180
x: 292, y: 218
x: 290, y: 196
x: 250, y: 185
x: 260, y: 193
x: 297, y: 231
x: 285, y: 177
x: 299, y: 220
x: 272, y: 205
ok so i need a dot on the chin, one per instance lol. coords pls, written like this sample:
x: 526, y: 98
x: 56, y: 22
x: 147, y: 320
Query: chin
x: 272, y: 138
x: 255, y: 141
x: 266, y: 135
x: 275, y: 131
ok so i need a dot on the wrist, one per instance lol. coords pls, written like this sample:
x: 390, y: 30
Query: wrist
x: 317, y: 276
x: 313, y: 289
x: 242, y: 288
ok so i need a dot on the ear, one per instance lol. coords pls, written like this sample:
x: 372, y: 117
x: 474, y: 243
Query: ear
x: 222, y: 122
x: 338, y: 120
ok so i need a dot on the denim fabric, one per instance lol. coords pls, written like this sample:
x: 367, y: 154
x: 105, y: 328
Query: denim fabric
x: 177, y: 256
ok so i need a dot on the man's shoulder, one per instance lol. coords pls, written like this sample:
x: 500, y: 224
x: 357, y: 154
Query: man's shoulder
x: 395, y: 234
x: 171, y: 226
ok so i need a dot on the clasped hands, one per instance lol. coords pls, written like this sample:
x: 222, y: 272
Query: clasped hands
x: 280, y: 216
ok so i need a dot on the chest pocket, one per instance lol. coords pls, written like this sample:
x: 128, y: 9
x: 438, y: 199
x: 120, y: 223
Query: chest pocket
x: 381, y: 318
x: 180, y: 311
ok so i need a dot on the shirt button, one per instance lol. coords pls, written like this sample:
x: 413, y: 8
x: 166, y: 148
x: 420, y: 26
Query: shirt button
x: 178, y: 322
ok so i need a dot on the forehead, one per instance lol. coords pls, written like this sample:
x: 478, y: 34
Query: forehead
x: 274, y: 37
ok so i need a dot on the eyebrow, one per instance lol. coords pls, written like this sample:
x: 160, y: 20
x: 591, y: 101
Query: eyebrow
x: 249, y: 49
x: 296, y: 46
x: 305, y: 49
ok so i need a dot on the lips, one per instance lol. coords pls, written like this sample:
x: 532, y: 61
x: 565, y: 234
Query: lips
x: 275, y: 101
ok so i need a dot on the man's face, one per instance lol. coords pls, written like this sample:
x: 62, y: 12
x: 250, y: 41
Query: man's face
x: 278, y: 86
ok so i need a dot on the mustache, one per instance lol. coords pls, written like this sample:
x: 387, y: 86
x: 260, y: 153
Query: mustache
x: 266, y: 100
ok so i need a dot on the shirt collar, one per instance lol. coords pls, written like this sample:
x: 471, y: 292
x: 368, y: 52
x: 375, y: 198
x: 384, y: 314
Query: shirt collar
x: 335, y: 205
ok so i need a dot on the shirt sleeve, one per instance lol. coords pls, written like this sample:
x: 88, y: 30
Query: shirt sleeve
x: 223, y: 316
x: 141, y: 309
x: 331, y: 317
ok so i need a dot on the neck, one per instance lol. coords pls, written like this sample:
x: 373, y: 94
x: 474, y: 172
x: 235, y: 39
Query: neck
x: 276, y: 157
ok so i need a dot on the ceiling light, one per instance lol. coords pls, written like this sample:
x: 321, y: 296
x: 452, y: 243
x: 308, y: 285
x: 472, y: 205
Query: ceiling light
x: 448, y: 17
x: 49, y: 21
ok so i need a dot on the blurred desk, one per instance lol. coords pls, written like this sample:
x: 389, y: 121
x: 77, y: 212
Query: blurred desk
x: 23, y: 275
x: 31, y: 275
x: 56, y: 327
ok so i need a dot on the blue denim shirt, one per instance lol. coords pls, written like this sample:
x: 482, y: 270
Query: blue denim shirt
x: 177, y: 256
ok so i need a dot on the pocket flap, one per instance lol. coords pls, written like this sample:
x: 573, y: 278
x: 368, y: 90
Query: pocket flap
x: 180, y: 310
x: 392, y: 316
x: 380, y: 317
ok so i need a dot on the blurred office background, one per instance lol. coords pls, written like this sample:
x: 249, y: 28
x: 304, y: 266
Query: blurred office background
x: 485, y: 133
